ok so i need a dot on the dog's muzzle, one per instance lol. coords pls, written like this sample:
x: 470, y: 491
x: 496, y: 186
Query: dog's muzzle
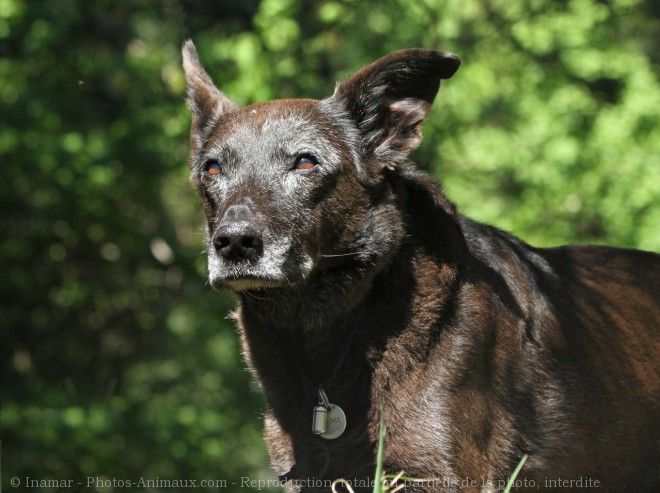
x: 244, y: 253
x: 243, y: 256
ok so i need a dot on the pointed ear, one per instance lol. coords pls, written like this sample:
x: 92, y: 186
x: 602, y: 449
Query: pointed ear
x: 206, y: 102
x: 390, y: 98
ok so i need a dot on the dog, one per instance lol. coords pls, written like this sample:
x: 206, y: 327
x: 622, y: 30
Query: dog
x: 364, y: 295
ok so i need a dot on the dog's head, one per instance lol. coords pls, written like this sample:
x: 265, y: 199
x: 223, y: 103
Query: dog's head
x: 292, y: 187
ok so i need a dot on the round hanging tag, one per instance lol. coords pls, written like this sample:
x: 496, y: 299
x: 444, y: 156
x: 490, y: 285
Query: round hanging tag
x: 336, y: 423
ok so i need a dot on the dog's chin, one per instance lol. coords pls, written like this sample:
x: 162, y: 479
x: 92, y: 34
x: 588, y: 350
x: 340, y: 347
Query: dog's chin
x: 247, y: 283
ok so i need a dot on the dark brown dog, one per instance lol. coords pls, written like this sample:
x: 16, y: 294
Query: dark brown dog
x: 355, y: 273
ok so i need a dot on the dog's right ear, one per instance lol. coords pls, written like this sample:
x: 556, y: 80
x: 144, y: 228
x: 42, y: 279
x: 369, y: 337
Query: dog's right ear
x: 206, y: 102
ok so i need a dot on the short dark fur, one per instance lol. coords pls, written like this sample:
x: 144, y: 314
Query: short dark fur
x: 358, y: 274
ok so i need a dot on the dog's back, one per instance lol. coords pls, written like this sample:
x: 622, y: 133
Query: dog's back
x: 586, y: 326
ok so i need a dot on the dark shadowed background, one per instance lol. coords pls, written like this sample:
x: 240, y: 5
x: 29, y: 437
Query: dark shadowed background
x: 117, y: 359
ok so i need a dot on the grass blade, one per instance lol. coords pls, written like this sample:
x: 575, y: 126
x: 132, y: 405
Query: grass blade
x: 378, y: 477
x: 515, y: 474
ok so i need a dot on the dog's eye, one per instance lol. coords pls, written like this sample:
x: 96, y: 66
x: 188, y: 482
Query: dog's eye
x: 212, y: 167
x: 305, y: 162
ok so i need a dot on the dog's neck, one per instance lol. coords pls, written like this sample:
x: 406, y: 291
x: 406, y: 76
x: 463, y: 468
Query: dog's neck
x: 313, y: 323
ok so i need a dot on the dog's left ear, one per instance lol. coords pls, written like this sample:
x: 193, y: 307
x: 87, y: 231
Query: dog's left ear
x: 390, y: 98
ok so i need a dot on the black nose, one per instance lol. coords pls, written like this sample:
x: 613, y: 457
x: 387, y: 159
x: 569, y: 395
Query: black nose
x: 237, y: 240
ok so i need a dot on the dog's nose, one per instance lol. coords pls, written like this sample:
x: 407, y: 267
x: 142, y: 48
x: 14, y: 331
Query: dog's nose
x: 237, y: 240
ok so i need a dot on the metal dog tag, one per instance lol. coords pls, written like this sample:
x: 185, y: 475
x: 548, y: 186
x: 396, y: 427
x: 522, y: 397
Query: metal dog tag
x: 328, y: 420
x: 336, y: 423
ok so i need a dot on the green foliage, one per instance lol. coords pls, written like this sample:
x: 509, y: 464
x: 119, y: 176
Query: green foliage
x: 117, y: 360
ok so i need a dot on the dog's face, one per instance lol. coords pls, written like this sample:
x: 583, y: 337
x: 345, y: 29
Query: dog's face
x: 291, y: 187
x: 273, y: 177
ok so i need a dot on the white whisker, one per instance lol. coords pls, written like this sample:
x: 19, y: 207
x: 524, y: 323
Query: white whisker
x: 342, y: 254
x: 249, y: 294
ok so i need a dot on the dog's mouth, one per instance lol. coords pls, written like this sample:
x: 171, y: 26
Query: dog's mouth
x: 246, y: 283
x: 245, y: 276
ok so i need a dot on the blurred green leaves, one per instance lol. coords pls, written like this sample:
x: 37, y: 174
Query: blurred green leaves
x: 117, y: 360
